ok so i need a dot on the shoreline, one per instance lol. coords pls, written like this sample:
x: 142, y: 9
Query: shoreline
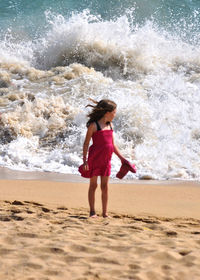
x: 170, y: 199
x: 10, y: 174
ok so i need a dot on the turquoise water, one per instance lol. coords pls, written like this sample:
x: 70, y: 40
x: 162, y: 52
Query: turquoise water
x: 144, y: 55
x: 29, y: 18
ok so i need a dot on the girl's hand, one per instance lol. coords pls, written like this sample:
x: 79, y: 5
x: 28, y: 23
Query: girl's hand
x: 85, y: 166
x: 123, y: 160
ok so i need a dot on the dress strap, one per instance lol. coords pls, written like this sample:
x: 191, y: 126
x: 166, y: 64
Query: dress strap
x: 98, y: 126
x: 109, y: 123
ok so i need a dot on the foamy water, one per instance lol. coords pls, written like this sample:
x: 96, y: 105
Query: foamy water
x: 152, y: 75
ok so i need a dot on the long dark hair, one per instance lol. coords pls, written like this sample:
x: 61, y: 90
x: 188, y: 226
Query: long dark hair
x: 100, y: 109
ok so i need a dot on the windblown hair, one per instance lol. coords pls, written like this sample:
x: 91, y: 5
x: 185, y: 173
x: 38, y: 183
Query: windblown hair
x: 100, y: 109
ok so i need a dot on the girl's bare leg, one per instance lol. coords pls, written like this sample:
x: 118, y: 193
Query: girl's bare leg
x: 91, y: 195
x: 104, y: 195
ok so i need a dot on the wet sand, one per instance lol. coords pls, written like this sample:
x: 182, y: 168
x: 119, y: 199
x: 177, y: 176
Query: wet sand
x: 45, y: 232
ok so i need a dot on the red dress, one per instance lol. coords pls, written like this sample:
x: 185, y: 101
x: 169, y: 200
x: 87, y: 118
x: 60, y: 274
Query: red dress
x: 100, y: 152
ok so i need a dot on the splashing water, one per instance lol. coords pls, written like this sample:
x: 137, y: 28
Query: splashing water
x: 152, y: 74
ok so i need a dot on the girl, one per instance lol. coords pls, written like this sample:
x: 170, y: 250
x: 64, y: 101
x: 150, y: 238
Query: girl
x: 100, y: 129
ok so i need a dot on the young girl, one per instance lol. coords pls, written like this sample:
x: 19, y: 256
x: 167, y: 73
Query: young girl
x: 100, y: 129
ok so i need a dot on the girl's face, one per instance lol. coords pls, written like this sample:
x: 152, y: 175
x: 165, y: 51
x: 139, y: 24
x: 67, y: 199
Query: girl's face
x: 110, y: 115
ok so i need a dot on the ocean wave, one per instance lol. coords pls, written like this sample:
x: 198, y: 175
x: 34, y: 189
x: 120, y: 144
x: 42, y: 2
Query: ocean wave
x: 116, y: 47
x: 153, y: 75
x: 113, y: 47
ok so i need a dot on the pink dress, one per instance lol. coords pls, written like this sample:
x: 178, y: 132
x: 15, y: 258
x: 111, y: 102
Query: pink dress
x: 100, y: 152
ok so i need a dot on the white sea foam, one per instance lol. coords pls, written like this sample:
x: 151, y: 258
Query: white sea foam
x: 152, y: 75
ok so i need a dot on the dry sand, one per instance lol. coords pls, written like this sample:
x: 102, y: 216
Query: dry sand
x: 45, y: 232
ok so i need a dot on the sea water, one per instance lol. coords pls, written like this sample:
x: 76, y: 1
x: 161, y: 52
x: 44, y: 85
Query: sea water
x: 144, y: 55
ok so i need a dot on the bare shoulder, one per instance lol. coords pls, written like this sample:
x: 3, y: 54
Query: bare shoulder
x: 92, y: 127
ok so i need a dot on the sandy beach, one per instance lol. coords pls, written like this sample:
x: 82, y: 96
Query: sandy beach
x: 45, y: 232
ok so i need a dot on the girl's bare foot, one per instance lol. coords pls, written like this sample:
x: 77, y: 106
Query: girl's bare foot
x: 106, y: 216
x: 93, y: 214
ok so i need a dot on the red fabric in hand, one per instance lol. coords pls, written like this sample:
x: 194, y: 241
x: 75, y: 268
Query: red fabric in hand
x: 84, y: 173
x: 125, y: 168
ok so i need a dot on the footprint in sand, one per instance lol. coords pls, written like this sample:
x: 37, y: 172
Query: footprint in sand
x: 46, y: 210
x: 49, y: 250
x: 71, y: 259
x: 16, y: 202
x: 62, y: 208
x: 135, y: 266
x: 171, y: 233
x: 84, y: 249
x: 30, y: 265
x: 104, y: 261
x: 147, y: 220
x: 78, y: 217
x: 5, y: 251
x: 52, y: 273
x: 185, y: 252
x: 27, y: 235
x: 15, y: 211
x: 17, y: 218
x: 135, y: 228
x: 33, y: 203
x: 120, y: 248
x: 5, y: 218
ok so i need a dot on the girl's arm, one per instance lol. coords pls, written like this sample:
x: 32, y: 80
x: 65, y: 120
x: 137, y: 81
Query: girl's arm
x: 90, y: 131
x: 117, y: 151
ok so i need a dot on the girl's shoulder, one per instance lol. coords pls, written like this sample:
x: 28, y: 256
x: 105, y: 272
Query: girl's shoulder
x: 92, y: 127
